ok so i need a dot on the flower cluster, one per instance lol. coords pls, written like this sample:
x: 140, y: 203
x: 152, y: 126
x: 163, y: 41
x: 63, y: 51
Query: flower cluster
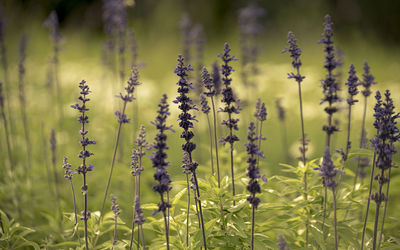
x: 329, y: 84
x: 368, y: 80
x: 328, y: 170
x: 139, y: 219
x: 295, y: 53
x: 216, y: 78
x: 253, y: 171
x: 67, y: 169
x: 114, y: 16
x: 261, y: 111
x: 185, y: 104
x: 228, y: 98
x: 114, y: 205
x: 159, y: 157
x: 387, y: 134
x: 128, y: 96
x: 208, y: 83
x: 352, y: 83
x: 52, y: 24
x: 83, y: 119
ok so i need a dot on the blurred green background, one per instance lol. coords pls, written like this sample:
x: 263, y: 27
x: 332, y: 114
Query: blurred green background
x: 364, y: 30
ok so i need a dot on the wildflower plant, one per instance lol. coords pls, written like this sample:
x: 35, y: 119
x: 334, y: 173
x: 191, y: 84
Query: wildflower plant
x: 230, y: 108
x: 211, y: 92
x: 186, y: 123
x: 159, y: 160
x: 84, y: 154
x: 127, y: 97
x: 387, y: 134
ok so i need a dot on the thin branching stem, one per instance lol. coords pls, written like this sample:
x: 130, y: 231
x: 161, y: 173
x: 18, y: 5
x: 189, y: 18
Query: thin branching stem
x: 369, y: 201
x: 76, y: 227
x: 112, y: 163
x: 362, y: 137
x: 216, y: 141
x: 252, y: 225
x: 377, y: 210
x: 85, y: 218
x: 211, y: 145
x: 385, y: 208
x: 188, y: 210
x: 335, y: 218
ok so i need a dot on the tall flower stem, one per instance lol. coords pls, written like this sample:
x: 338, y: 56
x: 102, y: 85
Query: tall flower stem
x: 75, y: 213
x: 5, y: 123
x: 209, y: 84
x: 188, y: 210
x: 384, y: 209
x: 335, y: 218
x: 368, y: 202
x: 362, y: 138
x: 211, y: 145
x: 231, y: 106
x: 22, y: 98
x: 295, y: 53
x: 84, y: 153
x: 122, y: 118
x: 252, y: 224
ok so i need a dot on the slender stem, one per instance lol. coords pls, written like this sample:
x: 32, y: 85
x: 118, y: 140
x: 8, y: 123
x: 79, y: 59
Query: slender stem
x: 7, y: 138
x: 188, y: 210
x: 85, y: 218
x: 378, y: 205
x: 134, y: 215
x: 200, y: 209
x: 142, y: 234
x: 303, y: 135
x: 232, y: 170
x: 165, y: 224
x: 335, y: 219
x: 75, y: 212
x: 112, y: 164
x: 385, y: 208
x: 259, y: 143
x: 46, y: 162
x: 369, y: 201
x: 306, y: 199
x: 216, y: 140
x: 324, y: 214
x: 252, y: 226
x: 211, y: 145
x: 361, y: 141
x: 348, y: 134
x: 115, y: 231
x: 168, y: 209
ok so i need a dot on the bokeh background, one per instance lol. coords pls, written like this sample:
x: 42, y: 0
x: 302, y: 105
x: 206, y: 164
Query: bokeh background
x: 365, y: 30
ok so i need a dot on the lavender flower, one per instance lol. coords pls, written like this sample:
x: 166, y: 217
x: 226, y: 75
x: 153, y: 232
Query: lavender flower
x: 116, y: 210
x: 132, y: 83
x: 52, y: 24
x: 159, y: 160
x: 387, y: 134
x: 352, y: 83
x: 216, y: 78
x: 329, y: 84
x: 114, y: 16
x: 261, y: 116
x: 205, y: 108
x: 211, y: 92
x: 186, y: 122
x: 137, y: 168
x: 185, y: 24
x: 368, y: 80
x: 84, y: 153
x: 199, y: 39
x: 231, y: 106
x: 328, y: 174
x: 253, y: 173
x: 282, y: 243
x: 249, y: 30
x: 68, y: 175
